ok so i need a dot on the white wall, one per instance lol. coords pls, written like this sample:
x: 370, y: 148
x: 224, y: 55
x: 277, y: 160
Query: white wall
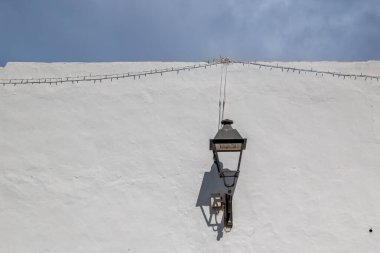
x: 118, y: 167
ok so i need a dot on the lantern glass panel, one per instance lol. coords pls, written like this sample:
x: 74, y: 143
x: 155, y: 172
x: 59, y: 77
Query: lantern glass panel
x: 228, y: 160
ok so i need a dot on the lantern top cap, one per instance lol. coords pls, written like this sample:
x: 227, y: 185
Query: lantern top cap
x: 227, y: 122
x: 227, y: 132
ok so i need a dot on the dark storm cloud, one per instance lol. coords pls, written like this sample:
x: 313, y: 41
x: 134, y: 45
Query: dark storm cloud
x: 133, y: 30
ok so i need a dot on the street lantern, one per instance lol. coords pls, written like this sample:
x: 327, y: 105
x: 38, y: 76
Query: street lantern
x: 227, y: 139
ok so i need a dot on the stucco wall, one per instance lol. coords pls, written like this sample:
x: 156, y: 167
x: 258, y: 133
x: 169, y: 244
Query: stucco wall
x: 124, y: 166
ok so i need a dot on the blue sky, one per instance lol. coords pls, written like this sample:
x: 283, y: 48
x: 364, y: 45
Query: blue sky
x: 188, y: 30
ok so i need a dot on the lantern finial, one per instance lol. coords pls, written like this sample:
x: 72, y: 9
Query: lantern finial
x: 227, y: 122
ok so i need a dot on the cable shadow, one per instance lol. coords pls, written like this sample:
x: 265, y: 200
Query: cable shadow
x: 212, y: 184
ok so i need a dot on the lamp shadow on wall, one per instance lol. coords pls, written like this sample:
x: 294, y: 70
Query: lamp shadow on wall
x: 212, y: 185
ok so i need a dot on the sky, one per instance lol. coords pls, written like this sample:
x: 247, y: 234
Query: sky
x: 188, y: 30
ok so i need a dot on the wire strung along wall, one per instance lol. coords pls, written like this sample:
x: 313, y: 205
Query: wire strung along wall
x: 100, y: 78
x: 312, y: 71
x: 215, y: 62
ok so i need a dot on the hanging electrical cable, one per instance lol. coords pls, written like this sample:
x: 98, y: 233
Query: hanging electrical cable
x: 222, y: 90
x: 220, y: 96
x: 225, y: 90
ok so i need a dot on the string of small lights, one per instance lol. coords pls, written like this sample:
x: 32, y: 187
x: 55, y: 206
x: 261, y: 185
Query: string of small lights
x: 215, y: 62
x: 313, y: 71
x: 100, y: 78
